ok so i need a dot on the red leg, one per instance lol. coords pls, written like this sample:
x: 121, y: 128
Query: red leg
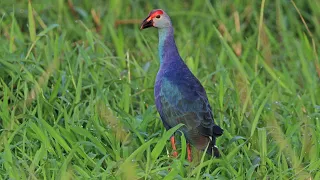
x: 173, y: 144
x: 189, y: 152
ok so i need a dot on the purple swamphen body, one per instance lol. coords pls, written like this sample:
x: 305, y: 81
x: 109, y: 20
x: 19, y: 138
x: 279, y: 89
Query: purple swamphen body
x: 179, y: 96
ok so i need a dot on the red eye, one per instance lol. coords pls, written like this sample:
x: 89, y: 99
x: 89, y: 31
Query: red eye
x: 158, y: 16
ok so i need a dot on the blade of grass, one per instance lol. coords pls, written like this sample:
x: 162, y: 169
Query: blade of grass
x: 32, y: 25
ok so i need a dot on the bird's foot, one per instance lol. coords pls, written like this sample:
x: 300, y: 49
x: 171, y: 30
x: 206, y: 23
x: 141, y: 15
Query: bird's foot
x: 175, y: 154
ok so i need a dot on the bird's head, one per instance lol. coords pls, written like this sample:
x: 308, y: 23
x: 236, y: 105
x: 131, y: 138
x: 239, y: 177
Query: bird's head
x: 156, y: 18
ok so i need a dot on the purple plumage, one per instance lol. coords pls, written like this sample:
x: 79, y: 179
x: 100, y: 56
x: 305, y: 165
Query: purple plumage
x: 179, y: 96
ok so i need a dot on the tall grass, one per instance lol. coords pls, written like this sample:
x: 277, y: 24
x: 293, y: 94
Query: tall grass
x: 76, y: 89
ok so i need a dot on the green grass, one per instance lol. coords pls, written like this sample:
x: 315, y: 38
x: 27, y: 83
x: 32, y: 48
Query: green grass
x: 76, y: 89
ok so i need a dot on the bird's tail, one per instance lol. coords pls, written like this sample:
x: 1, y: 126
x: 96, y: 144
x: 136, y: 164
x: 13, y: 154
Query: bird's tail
x: 213, y: 149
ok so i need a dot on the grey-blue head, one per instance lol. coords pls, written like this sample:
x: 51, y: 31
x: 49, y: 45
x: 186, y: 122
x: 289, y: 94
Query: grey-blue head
x: 157, y: 18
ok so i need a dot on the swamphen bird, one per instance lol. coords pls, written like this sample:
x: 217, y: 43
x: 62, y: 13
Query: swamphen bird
x: 179, y: 96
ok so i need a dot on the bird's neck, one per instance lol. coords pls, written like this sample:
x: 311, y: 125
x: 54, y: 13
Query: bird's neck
x: 167, y: 47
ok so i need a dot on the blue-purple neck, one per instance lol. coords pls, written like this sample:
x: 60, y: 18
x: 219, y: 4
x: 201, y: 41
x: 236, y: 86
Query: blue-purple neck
x: 167, y: 47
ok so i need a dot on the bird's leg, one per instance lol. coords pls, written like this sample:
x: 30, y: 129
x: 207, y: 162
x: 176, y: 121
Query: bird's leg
x: 173, y: 144
x: 189, y: 152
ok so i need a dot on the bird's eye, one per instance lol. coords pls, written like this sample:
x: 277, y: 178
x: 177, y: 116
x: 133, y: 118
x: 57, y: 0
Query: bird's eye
x: 158, y: 16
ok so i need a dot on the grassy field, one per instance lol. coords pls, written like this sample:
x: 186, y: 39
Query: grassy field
x: 76, y: 89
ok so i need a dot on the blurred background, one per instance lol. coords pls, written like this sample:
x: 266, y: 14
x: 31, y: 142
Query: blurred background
x: 77, y: 76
